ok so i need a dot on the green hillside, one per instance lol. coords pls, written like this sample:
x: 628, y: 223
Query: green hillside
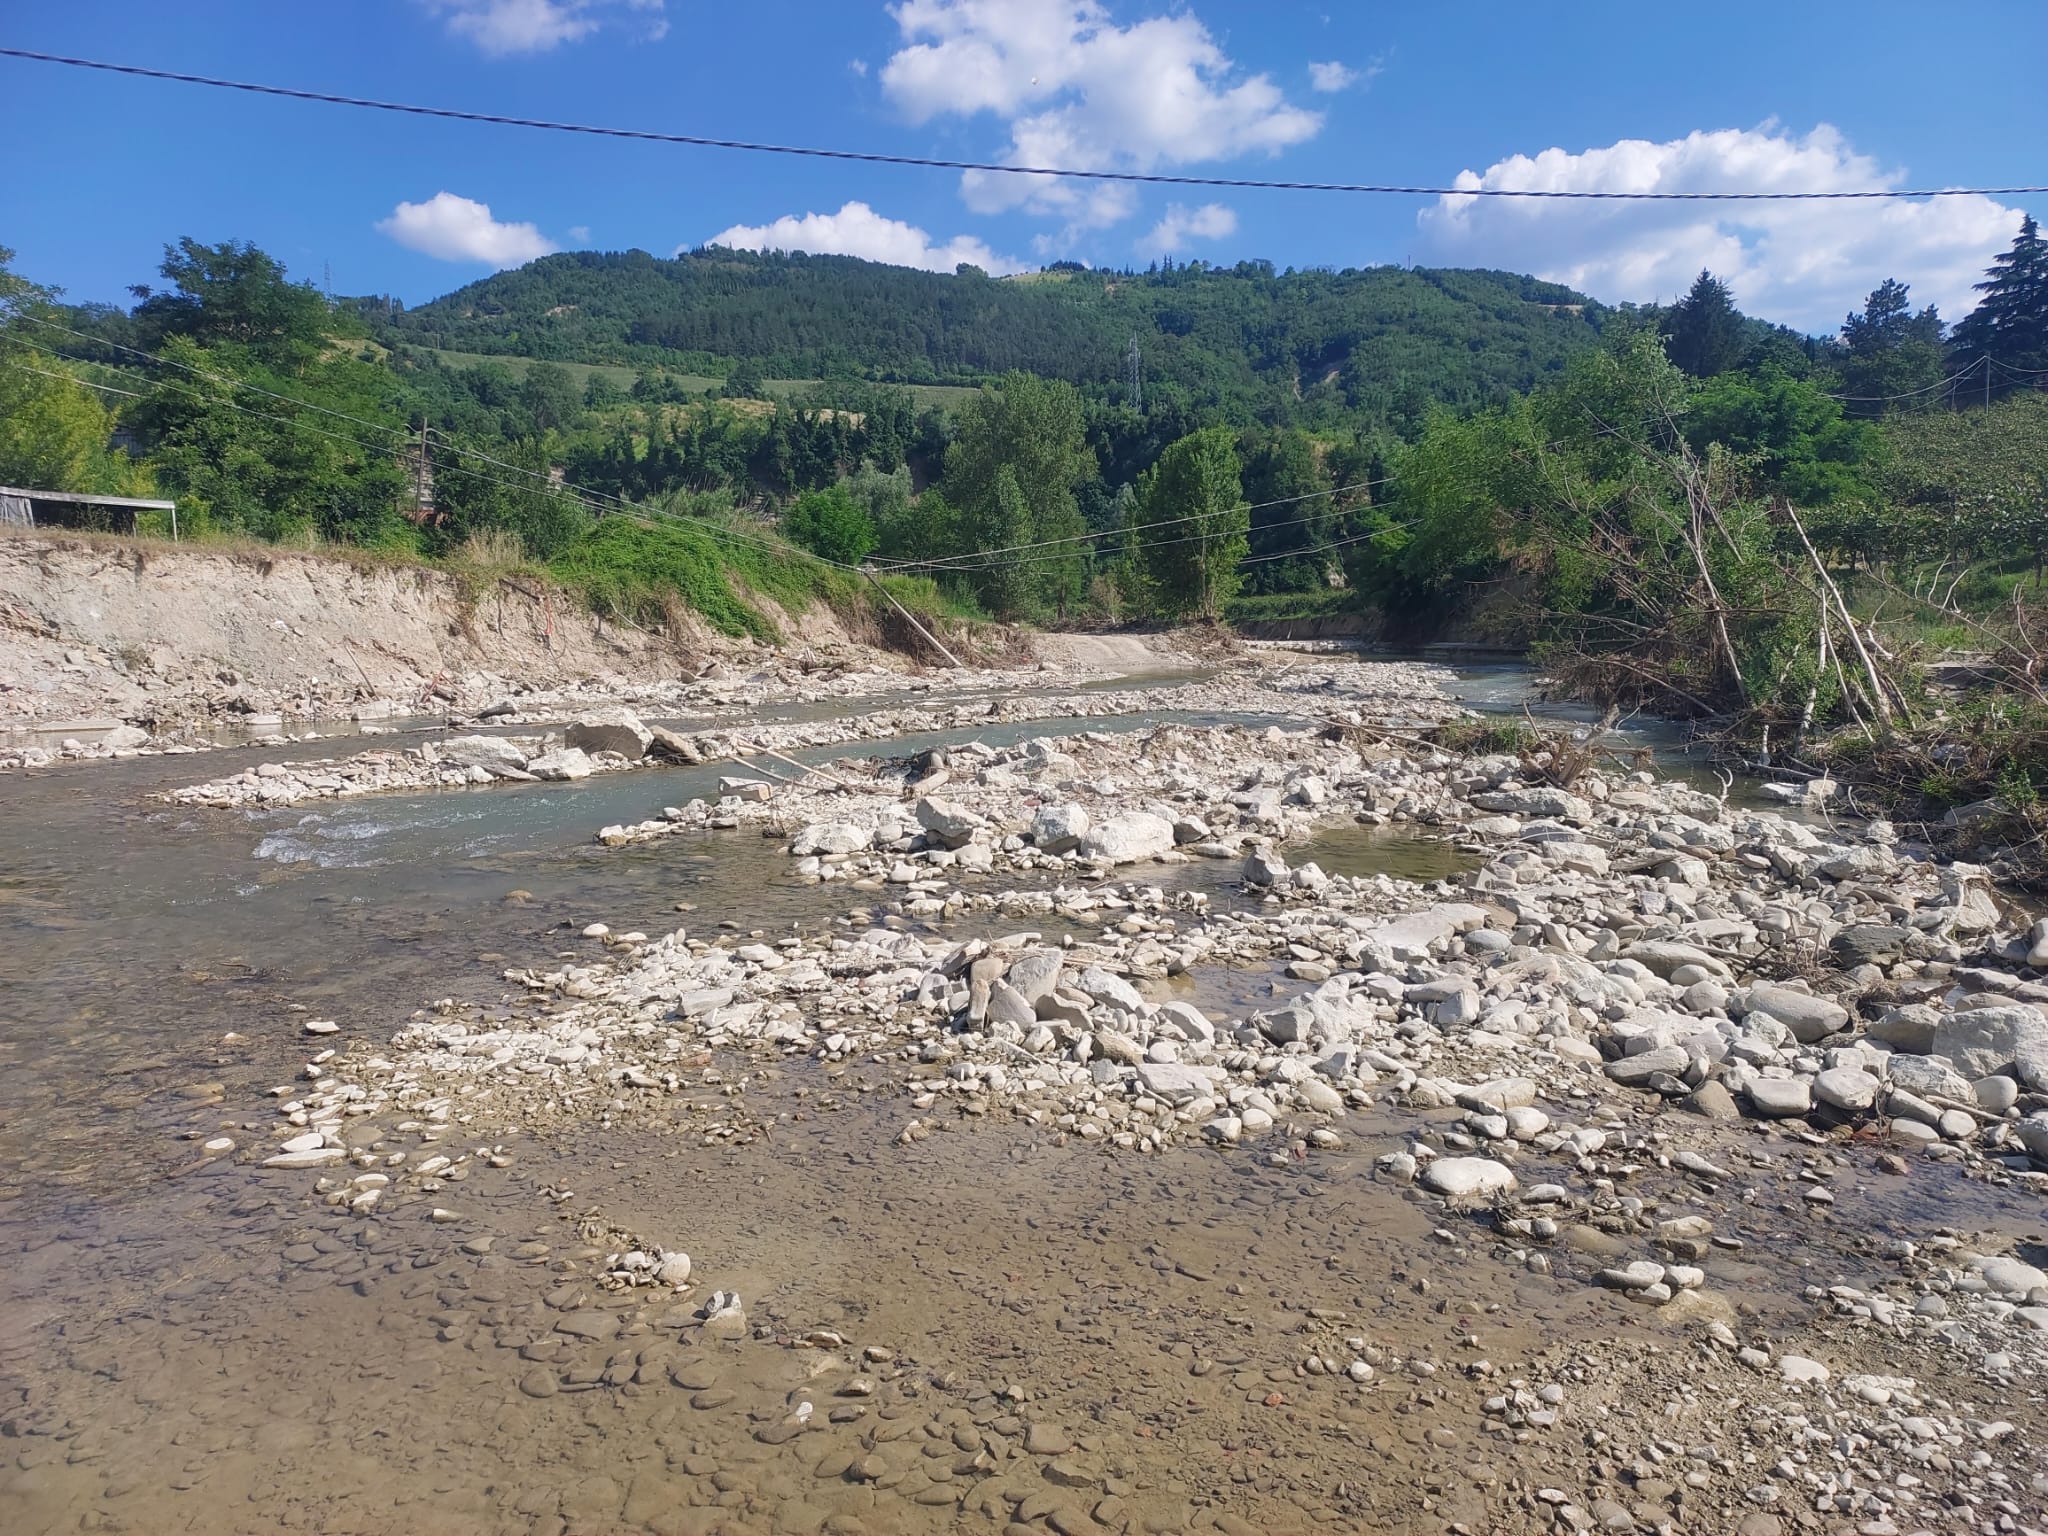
x: 1298, y: 346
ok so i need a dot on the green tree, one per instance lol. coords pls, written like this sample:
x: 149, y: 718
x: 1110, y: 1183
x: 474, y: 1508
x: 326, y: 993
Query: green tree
x: 1968, y: 485
x: 234, y: 293
x: 1891, y: 357
x: 514, y: 496
x: 1292, y: 510
x: 1006, y: 582
x: 54, y: 430
x: 923, y: 527
x: 270, y: 467
x: 831, y: 523
x: 2006, y: 335
x: 1801, y: 444
x: 1032, y: 428
x: 744, y: 382
x: 1703, y: 331
x: 1196, y: 490
x: 1651, y: 569
x: 549, y: 397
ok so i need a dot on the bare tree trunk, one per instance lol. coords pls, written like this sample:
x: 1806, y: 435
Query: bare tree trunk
x: 1878, y: 701
x: 1813, y: 692
x: 1699, y: 496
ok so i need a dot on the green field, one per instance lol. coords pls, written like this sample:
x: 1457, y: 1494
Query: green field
x: 944, y: 396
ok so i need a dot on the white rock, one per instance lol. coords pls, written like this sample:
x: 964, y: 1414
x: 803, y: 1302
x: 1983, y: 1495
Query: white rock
x: 562, y: 764
x: 830, y: 837
x: 1984, y: 1042
x: 1846, y: 1088
x: 1456, y: 1176
x: 1128, y: 839
x: 611, y: 729
x: 1060, y: 828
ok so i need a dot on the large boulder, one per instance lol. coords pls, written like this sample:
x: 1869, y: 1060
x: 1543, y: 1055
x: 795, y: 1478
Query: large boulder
x: 1108, y: 987
x: 1060, y: 828
x: 124, y: 738
x: 1175, y: 1083
x: 829, y: 837
x: 1411, y: 936
x: 1908, y: 1027
x: 1466, y: 1176
x: 1967, y: 888
x: 1665, y: 956
x: 1809, y: 1018
x: 947, y: 823
x: 1985, y: 1042
x: 1869, y: 944
x: 1850, y: 1089
x: 610, y: 730
x: 1638, y: 1071
x: 1265, y: 867
x: 672, y: 745
x: 1128, y: 839
x: 1930, y: 1077
x: 562, y: 763
x: 1778, y: 1098
x: 1033, y: 976
x: 493, y: 754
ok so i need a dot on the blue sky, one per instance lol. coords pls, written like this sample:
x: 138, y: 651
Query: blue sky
x: 101, y: 171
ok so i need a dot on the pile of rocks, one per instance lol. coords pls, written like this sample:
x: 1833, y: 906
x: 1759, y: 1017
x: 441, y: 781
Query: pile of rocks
x: 1624, y: 936
x: 465, y: 762
x: 599, y: 742
x: 106, y: 742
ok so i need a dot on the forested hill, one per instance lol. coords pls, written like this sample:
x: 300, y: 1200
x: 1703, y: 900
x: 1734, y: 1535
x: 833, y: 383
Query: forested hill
x: 1382, y: 341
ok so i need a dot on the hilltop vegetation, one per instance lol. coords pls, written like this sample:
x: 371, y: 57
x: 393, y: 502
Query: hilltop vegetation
x: 1373, y: 346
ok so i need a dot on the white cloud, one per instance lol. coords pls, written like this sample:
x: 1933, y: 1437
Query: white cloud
x: 579, y: 234
x: 1332, y: 76
x: 857, y: 230
x: 859, y: 67
x: 1805, y: 264
x: 501, y: 27
x: 1074, y: 89
x: 1211, y: 221
x: 452, y: 228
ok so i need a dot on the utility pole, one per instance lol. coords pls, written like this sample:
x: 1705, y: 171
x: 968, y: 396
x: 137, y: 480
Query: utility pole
x: 1135, y: 363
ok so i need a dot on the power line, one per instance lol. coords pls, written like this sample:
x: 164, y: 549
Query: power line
x: 72, y: 378
x: 1926, y: 389
x: 871, y: 157
x: 946, y: 562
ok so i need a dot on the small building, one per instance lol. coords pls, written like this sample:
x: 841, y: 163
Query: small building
x: 71, y: 509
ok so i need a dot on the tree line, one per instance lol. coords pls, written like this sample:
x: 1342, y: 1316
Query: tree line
x: 270, y: 411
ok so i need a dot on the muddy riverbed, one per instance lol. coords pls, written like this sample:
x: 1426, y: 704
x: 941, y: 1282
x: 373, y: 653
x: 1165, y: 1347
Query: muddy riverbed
x: 997, y: 1325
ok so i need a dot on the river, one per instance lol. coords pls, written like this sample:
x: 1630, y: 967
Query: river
x: 192, y: 1343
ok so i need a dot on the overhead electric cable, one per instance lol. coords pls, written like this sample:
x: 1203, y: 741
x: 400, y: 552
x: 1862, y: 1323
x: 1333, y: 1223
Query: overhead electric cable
x: 701, y: 141
x: 1925, y: 389
x: 943, y: 562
